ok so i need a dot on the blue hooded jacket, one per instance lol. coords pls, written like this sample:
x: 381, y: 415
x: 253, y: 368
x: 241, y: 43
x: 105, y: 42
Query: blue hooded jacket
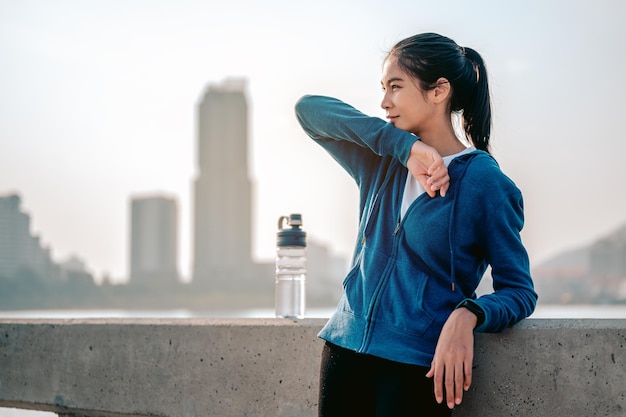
x: 408, y: 274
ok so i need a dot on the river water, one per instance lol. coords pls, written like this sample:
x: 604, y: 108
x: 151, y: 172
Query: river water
x: 542, y: 312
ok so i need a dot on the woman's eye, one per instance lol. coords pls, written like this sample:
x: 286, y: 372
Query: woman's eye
x: 392, y: 87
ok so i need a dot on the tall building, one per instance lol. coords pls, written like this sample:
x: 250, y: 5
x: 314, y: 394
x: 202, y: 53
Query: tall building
x: 222, y: 231
x: 154, y: 241
x: 222, y: 228
x: 22, y: 255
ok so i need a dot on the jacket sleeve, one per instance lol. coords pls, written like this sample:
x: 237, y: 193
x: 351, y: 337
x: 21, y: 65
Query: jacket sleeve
x: 514, y: 297
x: 350, y: 136
x: 494, y: 204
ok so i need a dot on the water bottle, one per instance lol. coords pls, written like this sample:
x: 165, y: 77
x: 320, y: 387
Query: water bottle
x: 290, y: 268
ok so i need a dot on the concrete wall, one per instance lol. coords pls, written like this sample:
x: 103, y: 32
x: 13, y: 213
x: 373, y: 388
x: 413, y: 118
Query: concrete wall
x: 267, y: 367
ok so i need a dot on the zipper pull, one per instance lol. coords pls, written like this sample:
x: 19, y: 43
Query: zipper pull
x: 395, y: 231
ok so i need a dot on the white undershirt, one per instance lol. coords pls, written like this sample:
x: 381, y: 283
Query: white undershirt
x: 414, y: 189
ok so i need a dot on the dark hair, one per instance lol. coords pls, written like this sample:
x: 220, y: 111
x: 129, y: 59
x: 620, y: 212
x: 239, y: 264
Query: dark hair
x: 429, y: 56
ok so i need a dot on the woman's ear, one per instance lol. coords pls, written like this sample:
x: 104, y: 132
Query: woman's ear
x: 442, y: 90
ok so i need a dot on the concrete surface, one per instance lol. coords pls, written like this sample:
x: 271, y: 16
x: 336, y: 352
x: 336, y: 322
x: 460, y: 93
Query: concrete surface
x: 269, y: 367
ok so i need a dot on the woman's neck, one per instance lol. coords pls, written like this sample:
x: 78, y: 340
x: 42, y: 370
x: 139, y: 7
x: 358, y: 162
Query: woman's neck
x: 444, y: 140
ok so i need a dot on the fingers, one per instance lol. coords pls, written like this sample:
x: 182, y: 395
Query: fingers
x: 438, y: 177
x: 458, y: 387
x: 444, y: 189
x: 454, y: 386
x: 468, y: 374
x: 436, y: 372
x: 441, y: 183
x: 451, y: 367
x: 436, y: 165
x: 451, y: 381
x: 432, y: 192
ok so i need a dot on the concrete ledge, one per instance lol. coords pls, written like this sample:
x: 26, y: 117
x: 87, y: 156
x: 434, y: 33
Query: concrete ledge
x: 269, y: 367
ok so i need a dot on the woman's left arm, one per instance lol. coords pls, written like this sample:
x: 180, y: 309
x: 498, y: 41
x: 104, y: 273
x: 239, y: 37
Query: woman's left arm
x: 513, y: 299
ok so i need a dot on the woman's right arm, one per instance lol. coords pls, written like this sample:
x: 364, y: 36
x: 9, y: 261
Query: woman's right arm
x: 356, y: 141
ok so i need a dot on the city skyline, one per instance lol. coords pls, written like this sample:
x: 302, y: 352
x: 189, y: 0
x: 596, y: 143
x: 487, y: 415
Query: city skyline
x: 80, y: 110
x: 222, y: 222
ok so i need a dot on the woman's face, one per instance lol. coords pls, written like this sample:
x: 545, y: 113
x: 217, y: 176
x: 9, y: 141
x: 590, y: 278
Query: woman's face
x: 406, y: 106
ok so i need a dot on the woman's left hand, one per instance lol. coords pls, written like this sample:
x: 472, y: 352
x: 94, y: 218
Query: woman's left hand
x: 452, y: 365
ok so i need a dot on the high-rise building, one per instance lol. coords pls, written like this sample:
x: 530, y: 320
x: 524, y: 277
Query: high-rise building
x: 21, y: 254
x: 154, y: 241
x: 222, y: 229
x: 222, y: 225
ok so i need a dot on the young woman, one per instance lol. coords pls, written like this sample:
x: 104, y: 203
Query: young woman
x: 401, y: 340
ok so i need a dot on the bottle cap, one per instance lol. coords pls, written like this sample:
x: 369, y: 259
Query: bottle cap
x: 291, y: 237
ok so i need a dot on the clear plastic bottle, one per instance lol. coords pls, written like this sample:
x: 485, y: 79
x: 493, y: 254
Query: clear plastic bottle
x: 290, y: 301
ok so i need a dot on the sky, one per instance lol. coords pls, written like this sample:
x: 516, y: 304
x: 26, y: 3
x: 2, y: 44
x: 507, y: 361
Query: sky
x: 98, y: 104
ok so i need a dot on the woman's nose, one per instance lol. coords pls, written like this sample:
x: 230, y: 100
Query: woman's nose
x: 385, y: 104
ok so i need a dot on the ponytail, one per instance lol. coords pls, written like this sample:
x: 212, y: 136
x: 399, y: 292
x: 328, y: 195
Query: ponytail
x: 477, y: 109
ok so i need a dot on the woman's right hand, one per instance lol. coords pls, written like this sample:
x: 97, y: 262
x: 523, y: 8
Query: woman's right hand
x: 427, y: 167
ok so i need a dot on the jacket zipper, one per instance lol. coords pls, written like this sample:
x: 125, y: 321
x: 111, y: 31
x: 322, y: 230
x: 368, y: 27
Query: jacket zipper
x: 395, y: 231
x: 375, y: 297
x: 383, y: 279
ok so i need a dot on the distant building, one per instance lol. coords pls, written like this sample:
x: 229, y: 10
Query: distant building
x: 222, y: 231
x: 222, y: 221
x: 75, y: 271
x: 22, y: 255
x: 154, y: 241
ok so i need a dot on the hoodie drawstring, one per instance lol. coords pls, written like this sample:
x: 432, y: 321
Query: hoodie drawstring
x: 451, y: 229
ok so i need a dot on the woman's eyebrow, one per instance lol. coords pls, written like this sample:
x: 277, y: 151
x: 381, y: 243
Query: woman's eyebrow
x: 391, y: 80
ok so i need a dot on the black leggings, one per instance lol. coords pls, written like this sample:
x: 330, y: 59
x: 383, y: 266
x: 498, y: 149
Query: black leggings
x: 353, y: 384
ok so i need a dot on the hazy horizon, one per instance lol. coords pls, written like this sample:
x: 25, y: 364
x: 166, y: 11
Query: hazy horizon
x: 98, y: 104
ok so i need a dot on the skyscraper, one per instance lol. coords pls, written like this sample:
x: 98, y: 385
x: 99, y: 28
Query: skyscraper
x: 222, y: 225
x: 222, y: 208
x: 154, y: 241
